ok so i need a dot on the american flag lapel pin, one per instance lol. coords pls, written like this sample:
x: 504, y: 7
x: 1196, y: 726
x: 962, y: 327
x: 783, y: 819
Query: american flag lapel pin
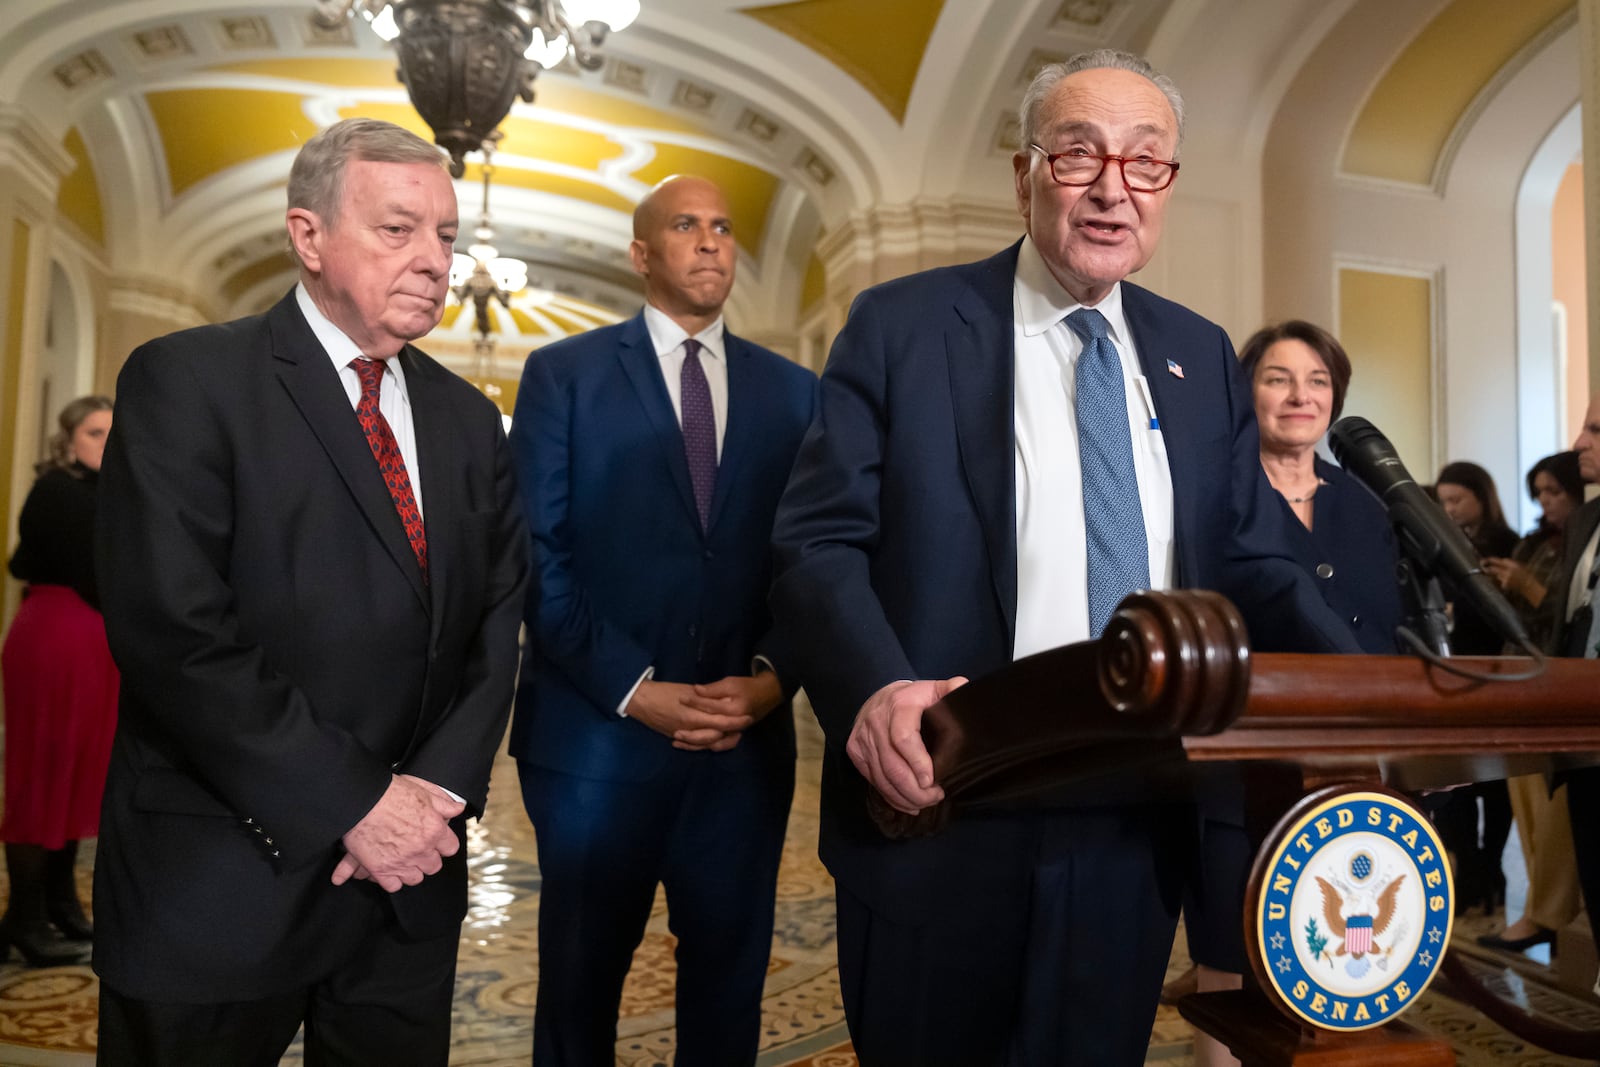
x: 1174, y: 369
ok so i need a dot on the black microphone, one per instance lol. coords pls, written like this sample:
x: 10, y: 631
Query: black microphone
x: 1426, y: 533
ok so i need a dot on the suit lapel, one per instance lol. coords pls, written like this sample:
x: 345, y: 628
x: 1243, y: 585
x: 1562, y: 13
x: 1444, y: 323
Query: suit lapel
x: 740, y: 435
x: 643, y: 369
x: 313, y: 385
x: 437, y: 448
x: 981, y: 361
x: 1155, y: 345
x: 1582, y: 525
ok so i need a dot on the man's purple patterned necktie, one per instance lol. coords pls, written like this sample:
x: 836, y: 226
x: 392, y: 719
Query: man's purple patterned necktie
x: 699, y: 430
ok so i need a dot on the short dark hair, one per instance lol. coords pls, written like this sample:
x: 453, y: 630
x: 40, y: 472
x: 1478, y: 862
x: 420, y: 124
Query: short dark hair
x: 1563, y: 467
x: 1320, y: 341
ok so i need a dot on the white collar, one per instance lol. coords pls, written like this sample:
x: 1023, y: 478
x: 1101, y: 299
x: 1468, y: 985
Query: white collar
x: 667, y: 336
x: 1040, y: 302
x: 336, y: 343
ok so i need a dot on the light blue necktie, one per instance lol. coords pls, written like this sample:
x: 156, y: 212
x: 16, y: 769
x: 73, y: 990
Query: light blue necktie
x: 1119, y: 559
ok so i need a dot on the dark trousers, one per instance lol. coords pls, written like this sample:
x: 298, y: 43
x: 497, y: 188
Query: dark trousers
x: 388, y: 1003
x: 1213, y: 901
x: 1583, y: 802
x: 1479, y: 879
x: 1057, y: 958
x: 713, y: 840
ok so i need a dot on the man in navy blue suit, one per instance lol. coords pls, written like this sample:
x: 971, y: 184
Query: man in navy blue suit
x: 938, y: 525
x: 653, y: 729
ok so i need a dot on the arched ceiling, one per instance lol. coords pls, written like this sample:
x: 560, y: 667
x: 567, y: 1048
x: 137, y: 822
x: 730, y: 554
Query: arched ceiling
x: 1405, y: 127
x: 182, y: 116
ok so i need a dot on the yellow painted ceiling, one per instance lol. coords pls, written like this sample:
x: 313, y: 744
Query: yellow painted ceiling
x: 561, y: 95
x: 260, y: 108
x: 1405, y: 123
x: 526, y: 137
x: 814, y: 286
x: 79, y: 196
x: 879, y: 44
x: 555, y: 184
x: 343, y: 73
x: 242, y: 281
x: 200, y: 135
x: 199, y: 129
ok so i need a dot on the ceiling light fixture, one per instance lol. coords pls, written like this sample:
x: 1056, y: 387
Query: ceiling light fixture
x: 464, y: 62
x: 483, y: 274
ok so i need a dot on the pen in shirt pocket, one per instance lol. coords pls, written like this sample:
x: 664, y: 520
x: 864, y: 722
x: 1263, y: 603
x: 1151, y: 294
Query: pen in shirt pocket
x: 1149, y: 402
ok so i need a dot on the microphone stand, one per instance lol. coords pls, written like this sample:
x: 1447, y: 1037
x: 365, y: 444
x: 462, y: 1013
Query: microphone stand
x: 1424, y: 604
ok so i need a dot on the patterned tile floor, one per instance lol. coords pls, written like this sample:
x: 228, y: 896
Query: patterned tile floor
x: 47, y: 1017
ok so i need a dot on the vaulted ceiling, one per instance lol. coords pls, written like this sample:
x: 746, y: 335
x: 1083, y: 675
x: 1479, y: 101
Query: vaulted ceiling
x: 182, y: 116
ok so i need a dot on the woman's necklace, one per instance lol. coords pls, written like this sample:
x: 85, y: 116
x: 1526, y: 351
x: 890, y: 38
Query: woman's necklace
x: 1303, y: 499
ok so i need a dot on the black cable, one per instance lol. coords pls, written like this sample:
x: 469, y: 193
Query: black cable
x: 1450, y: 665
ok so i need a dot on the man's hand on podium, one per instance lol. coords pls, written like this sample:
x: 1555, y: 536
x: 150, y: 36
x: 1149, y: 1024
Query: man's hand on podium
x: 886, y: 742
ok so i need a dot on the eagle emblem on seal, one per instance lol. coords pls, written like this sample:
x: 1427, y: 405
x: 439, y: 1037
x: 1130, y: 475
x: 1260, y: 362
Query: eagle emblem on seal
x: 1358, y: 932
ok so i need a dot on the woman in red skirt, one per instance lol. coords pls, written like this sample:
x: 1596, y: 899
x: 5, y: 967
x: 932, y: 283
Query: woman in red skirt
x: 60, y: 696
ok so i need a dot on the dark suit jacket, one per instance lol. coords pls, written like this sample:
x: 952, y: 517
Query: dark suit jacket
x: 1351, y: 554
x: 1580, y: 527
x: 896, y: 539
x: 625, y: 578
x: 281, y: 654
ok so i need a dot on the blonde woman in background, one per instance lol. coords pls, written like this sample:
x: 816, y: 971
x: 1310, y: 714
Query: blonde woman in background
x: 60, y: 696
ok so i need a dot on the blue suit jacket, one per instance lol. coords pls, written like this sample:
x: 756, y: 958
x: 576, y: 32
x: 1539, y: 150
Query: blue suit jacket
x: 624, y: 577
x: 896, y: 539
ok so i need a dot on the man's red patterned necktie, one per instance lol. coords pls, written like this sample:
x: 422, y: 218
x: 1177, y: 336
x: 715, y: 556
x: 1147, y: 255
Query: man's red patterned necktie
x: 391, y: 464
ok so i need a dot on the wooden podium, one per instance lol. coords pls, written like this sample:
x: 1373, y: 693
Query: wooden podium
x: 1172, y: 683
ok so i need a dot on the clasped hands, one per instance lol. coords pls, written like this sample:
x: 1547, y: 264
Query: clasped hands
x: 404, y: 838
x: 886, y: 742
x: 709, y: 717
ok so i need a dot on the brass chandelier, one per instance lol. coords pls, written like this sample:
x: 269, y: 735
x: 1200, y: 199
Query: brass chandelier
x: 463, y: 62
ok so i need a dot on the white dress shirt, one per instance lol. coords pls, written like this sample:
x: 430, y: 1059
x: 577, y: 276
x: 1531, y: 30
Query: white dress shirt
x: 1052, y: 582
x: 393, y: 400
x: 668, y: 338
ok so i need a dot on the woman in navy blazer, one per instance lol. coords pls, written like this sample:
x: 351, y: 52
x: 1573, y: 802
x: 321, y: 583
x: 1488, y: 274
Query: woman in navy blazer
x: 1299, y: 374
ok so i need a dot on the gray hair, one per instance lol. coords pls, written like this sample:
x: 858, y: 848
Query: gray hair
x: 1051, y: 75
x: 316, y: 179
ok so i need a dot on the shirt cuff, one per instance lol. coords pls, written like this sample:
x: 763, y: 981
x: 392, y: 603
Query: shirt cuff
x: 760, y: 663
x: 622, y: 708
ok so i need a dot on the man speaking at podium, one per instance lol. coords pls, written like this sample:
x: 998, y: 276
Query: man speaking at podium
x: 1003, y: 451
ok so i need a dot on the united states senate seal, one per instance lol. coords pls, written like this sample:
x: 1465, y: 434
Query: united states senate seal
x: 1351, y: 905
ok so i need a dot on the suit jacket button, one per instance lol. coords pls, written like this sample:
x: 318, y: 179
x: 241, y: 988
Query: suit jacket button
x: 1324, y: 570
x: 693, y: 630
x: 275, y: 853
